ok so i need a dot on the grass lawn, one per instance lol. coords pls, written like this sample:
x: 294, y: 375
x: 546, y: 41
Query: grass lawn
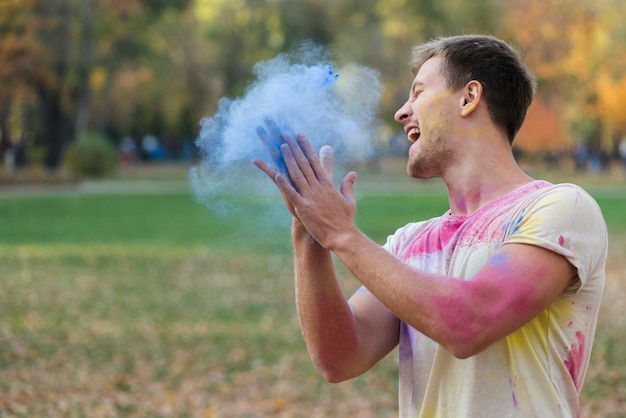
x: 127, y: 298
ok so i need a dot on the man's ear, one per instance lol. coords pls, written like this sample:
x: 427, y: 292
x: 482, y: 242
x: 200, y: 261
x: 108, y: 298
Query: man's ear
x: 472, y: 94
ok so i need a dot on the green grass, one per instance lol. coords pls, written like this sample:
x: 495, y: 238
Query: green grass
x: 140, y: 219
x: 152, y: 305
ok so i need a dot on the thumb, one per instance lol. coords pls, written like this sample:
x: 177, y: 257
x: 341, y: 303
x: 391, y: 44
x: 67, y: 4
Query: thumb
x: 326, y: 158
x: 347, y: 187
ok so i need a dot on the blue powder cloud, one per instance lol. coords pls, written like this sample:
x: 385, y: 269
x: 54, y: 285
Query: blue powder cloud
x: 302, y: 91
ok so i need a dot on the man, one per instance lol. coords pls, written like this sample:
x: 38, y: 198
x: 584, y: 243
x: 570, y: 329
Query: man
x: 494, y: 304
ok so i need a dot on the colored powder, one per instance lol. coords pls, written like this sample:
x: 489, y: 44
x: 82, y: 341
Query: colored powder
x: 513, y: 396
x: 297, y: 92
x: 575, y: 358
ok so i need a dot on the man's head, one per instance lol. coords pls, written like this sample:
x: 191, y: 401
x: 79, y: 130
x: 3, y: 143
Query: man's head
x: 508, y: 85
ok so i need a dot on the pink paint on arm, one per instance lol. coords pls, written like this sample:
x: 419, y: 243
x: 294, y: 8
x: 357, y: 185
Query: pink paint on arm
x: 455, y: 313
x: 515, y: 293
x: 499, y: 297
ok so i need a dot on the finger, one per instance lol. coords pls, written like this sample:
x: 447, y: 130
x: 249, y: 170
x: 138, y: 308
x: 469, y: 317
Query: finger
x: 284, y: 183
x: 347, y: 187
x: 294, y: 171
x: 273, y: 146
x: 303, y: 162
x: 314, y: 162
x: 265, y: 167
x: 274, y: 130
x: 284, y: 126
x: 268, y: 169
x: 272, y: 174
x: 326, y: 158
x: 291, y: 196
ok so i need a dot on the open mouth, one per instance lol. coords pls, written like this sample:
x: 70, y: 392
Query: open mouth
x: 413, y: 134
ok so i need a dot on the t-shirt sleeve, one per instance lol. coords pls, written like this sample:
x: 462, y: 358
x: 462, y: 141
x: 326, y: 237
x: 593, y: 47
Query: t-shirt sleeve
x: 398, y: 243
x: 566, y: 220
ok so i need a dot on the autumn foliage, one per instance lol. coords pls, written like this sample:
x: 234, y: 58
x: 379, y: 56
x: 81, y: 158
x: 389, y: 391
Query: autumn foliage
x: 577, y: 50
x: 542, y: 130
x: 138, y: 67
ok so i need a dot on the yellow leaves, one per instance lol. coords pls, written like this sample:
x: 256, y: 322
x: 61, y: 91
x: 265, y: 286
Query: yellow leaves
x: 397, y: 29
x: 273, y: 24
x: 578, y: 52
x: 209, y: 10
x: 548, y: 30
x: 611, y: 93
x: 394, y: 22
x: 97, y: 79
x: 19, y: 54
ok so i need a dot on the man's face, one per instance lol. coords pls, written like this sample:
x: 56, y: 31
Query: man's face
x: 428, y: 121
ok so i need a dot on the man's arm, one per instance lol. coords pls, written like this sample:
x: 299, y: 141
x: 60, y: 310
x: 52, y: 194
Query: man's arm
x: 343, y: 339
x: 516, y: 284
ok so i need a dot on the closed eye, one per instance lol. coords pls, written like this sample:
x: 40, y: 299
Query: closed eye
x: 416, y: 93
x: 416, y: 88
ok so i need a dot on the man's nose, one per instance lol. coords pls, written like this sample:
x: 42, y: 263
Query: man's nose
x: 402, y: 113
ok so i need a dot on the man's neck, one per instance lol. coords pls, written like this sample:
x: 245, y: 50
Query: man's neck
x: 476, y: 184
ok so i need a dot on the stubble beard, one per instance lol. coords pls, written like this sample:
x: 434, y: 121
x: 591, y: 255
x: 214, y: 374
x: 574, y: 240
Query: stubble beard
x: 432, y: 154
x: 429, y: 161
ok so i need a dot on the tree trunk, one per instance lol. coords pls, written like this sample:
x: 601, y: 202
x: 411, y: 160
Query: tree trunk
x: 5, y: 133
x: 55, y: 126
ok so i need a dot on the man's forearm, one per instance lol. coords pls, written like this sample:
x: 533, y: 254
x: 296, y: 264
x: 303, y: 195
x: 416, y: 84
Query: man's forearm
x: 325, y: 317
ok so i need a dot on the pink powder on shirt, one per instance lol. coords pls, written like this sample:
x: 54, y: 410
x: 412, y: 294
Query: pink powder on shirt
x: 514, y: 398
x: 451, y: 231
x: 575, y: 358
x: 435, y: 239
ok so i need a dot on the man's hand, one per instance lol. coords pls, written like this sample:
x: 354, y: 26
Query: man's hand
x: 272, y: 137
x: 305, y: 181
x: 309, y: 192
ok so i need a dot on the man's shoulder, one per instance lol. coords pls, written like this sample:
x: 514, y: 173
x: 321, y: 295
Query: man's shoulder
x: 564, y: 194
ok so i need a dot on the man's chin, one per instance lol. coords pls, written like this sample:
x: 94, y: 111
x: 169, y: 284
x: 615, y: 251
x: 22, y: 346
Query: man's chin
x: 420, y: 171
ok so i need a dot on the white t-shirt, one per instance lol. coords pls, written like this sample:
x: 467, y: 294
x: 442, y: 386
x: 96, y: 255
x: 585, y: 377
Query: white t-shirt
x: 538, y: 370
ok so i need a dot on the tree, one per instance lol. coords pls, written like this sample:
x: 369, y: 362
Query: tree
x: 20, y: 54
x: 578, y: 51
x: 61, y: 52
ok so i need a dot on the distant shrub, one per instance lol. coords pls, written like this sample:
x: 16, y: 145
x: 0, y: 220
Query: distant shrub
x: 91, y: 155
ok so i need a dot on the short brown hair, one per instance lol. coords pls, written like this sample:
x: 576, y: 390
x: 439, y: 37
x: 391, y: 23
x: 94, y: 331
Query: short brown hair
x: 508, y: 84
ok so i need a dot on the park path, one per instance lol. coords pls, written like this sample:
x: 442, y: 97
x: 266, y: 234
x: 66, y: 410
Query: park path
x: 141, y: 180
